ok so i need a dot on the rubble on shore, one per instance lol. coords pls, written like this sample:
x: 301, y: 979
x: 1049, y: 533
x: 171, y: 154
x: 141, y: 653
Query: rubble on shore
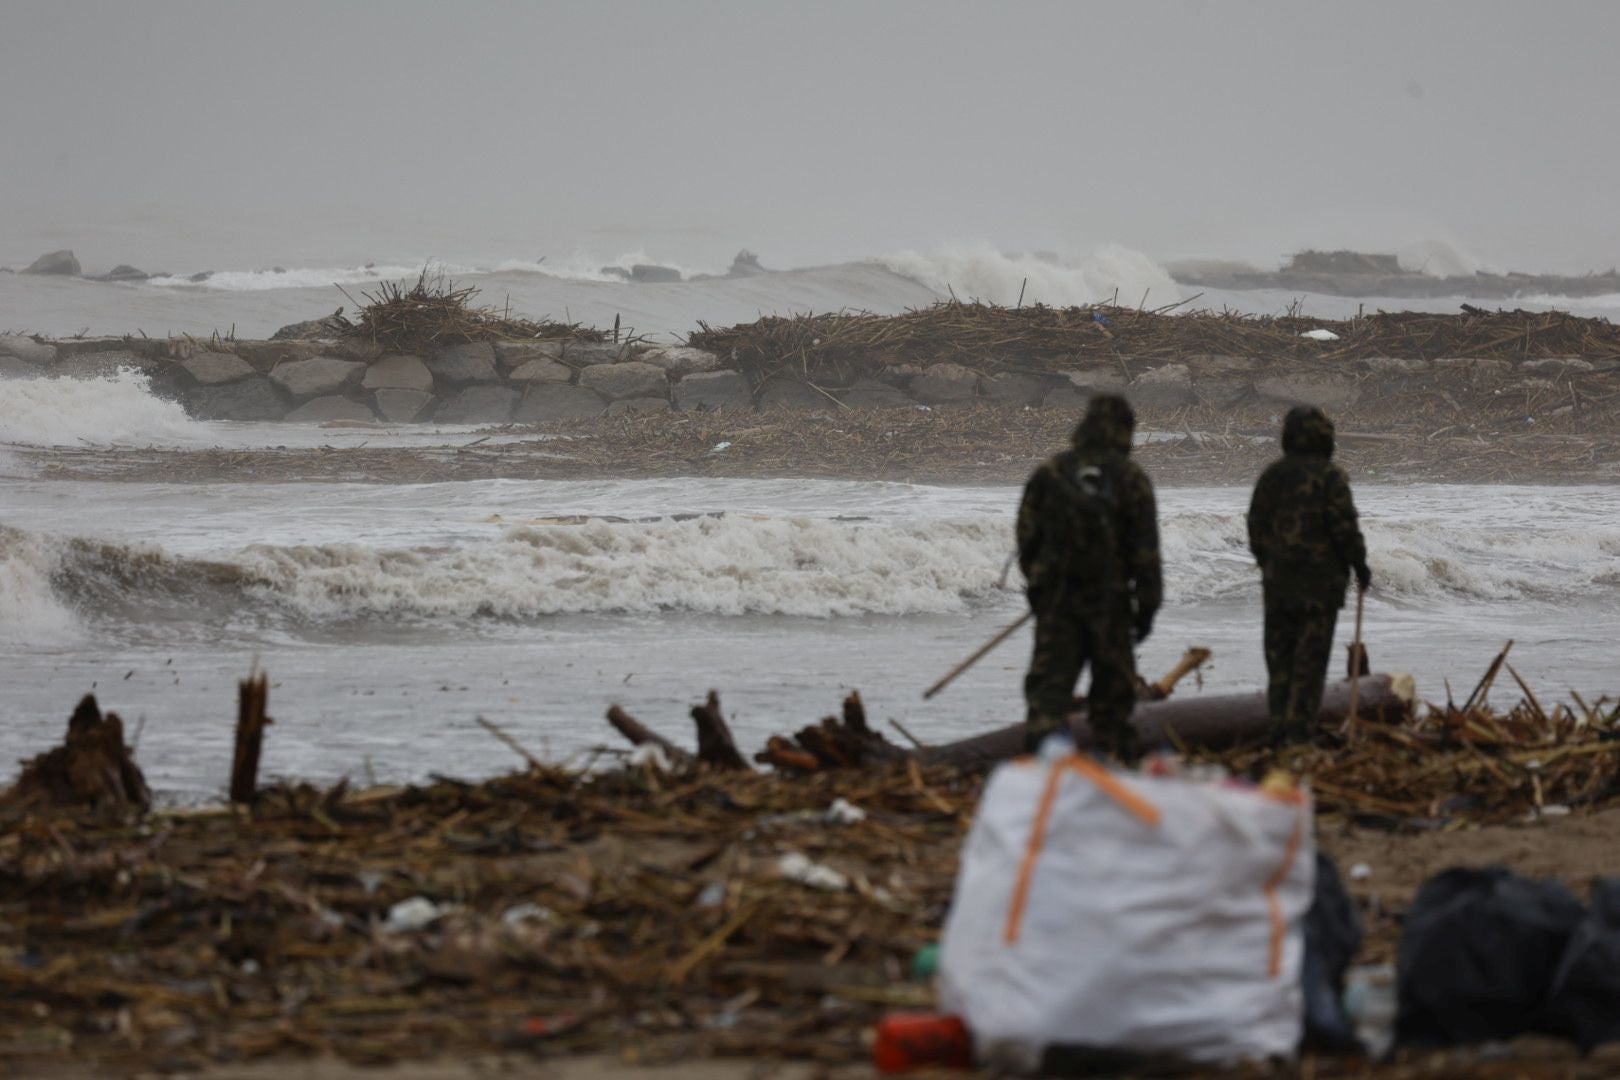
x: 659, y: 904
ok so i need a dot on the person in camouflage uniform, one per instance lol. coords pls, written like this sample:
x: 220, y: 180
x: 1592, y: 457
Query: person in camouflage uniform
x: 1304, y: 535
x: 1088, y: 544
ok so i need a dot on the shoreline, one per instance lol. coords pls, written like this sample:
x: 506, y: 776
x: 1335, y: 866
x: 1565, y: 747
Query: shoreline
x: 983, y: 444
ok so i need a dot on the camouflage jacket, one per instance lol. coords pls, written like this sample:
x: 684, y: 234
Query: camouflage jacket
x: 1122, y: 560
x: 1302, y: 520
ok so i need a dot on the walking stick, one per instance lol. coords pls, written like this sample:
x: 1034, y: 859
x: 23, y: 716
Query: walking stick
x: 976, y: 657
x: 1355, y: 660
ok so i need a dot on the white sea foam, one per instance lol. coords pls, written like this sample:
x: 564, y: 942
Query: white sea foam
x: 575, y: 267
x: 30, y: 610
x: 980, y: 272
x: 113, y: 410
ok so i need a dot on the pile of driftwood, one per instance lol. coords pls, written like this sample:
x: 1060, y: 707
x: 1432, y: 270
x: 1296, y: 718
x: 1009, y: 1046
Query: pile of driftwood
x: 835, y: 348
x: 434, y: 313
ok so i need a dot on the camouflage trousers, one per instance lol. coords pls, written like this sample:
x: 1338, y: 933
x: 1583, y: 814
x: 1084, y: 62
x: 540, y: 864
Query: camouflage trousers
x: 1299, y: 643
x: 1065, y: 642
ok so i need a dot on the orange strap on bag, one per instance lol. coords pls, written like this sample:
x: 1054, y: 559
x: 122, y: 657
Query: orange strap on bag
x: 1105, y: 782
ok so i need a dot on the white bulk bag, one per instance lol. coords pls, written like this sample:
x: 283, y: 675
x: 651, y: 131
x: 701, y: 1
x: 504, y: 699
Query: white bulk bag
x: 1114, y: 910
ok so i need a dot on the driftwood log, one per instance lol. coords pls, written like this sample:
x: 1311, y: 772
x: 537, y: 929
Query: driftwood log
x: 253, y: 694
x: 1214, y: 721
x: 92, y: 768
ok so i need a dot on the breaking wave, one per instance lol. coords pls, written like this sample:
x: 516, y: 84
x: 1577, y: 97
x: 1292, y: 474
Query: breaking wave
x: 980, y: 272
x: 113, y: 410
x: 726, y: 565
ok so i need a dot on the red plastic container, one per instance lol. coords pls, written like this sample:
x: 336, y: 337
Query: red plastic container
x: 909, y: 1041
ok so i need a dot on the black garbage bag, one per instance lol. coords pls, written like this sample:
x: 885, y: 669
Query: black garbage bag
x: 1332, y: 939
x: 1477, y: 957
x: 1584, y: 1005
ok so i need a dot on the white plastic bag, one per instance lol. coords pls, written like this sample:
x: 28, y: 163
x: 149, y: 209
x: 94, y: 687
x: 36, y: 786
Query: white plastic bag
x: 1116, y: 911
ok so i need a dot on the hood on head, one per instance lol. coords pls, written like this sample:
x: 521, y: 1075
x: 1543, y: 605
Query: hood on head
x: 1307, y: 430
x: 1108, y: 424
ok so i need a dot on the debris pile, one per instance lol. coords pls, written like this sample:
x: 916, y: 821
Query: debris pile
x: 837, y: 348
x: 435, y: 312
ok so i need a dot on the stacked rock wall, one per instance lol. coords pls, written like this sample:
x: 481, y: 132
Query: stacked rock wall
x: 543, y: 382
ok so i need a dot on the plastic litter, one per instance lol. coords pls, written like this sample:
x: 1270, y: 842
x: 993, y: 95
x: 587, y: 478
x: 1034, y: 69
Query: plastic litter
x: 1320, y: 335
x: 1332, y: 939
x: 1584, y: 1005
x: 417, y: 913
x: 649, y: 754
x: 844, y: 812
x: 711, y: 896
x: 1360, y: 872
x: 1478, y: 954
x: 1369, y: 999
x: 925, y: 964
x: 799, y: 867
x: 909, y: 1041
x: 521, y: 914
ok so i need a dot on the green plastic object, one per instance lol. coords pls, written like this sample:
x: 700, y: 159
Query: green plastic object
x: 925, y: 965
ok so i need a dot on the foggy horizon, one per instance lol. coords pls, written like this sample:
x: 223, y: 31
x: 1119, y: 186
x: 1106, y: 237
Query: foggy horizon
x: 177, y: 134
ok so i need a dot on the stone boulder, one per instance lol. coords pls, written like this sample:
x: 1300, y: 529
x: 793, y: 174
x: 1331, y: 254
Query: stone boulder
x: 250, y: 399
x: 332, y: 326
x: 1166, y: 387
x: 330, y: 407
x: 1014, y: 388
x: 1203, y: 365
x: 13, y: 368
x: 1066, y: 397
x: 621, y: 382
x: 479, y: 404
x: 1557, y: 365
x: 401, y: 406
x: 547, y: 403
x: 1327, y: 392
x: 213, y: 368
x: 263, y: 356
x: 872, y: 394
x: 542, y: 369
x: 27, y: 349
x: 583, y: 354
x: 638, y: 405
x: 679, y: 361
x: 323, y: 375
x: 1474, y: 369
x: 473, y: 362
x: 514, y: 354
x: 945, y: 384
x: 727, y: 390
x: 104, y: 365
x: 398, y: 372
x: 791, y: 394
x: 89, y: 345
x: 1095, y: 380
x: 1398, y: 366
x: 61, y: 263
x: 122, y: 272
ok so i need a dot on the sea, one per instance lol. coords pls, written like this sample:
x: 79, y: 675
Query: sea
x: 392, y: 617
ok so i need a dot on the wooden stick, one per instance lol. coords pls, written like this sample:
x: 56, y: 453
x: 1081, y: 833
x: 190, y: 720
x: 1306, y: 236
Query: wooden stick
x: 950, y: 676
x: 1190, y: 661
x: 517, y: 747
x: 1484, y: 687
x: 640, y: 735
x: 715, y: 744
x: 1355, y: 661
x: 253, y: 694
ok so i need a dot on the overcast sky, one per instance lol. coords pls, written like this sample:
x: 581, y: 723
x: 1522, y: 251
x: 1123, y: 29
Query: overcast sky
x: 311, y: 133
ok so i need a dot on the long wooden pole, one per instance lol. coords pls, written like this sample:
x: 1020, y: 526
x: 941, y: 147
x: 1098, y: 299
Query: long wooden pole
x: 950, y: 676
x: 1355, y: 659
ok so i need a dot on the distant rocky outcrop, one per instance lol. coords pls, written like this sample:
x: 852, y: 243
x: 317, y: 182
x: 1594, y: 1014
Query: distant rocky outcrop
x: 122, y: 272
x: 60, y: 263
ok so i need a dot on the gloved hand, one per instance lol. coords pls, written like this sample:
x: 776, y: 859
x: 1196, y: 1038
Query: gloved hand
x: 1363, y: 577
x: 1144, y: 625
